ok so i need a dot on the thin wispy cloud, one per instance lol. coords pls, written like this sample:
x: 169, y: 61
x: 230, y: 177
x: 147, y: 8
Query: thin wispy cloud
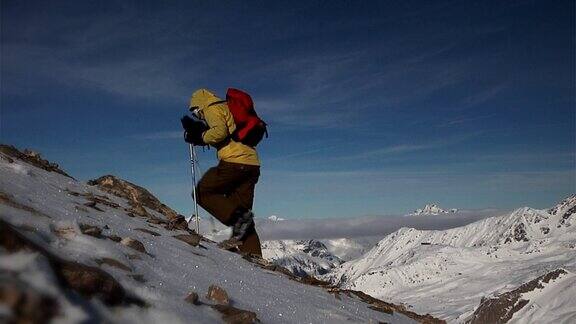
x: 462, y: 120
x: 387, y: 96
x: 483, y: 96
x: 407, y: 148
x: 365, y: 226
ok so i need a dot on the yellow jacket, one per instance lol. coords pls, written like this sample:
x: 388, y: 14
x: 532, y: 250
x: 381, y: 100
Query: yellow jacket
x: 221, y: 125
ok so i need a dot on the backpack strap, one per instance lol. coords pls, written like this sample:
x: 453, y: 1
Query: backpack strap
x: 217, y: 102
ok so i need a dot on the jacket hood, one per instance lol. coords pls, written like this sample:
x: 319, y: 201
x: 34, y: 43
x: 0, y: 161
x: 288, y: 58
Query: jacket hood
x: 201, y: 99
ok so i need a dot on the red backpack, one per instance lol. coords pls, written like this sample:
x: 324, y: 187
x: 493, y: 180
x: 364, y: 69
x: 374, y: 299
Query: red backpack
x: 249, y: 127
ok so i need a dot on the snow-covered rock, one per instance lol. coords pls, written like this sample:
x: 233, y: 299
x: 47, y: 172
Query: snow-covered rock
x: 541, y: 300
x: 82, y: 250
x: 302, y: 257
x: 349, y: 248
x: 448, y: 272
x: 432, y: 209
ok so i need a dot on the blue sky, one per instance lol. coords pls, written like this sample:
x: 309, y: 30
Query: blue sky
x: 374, y: 107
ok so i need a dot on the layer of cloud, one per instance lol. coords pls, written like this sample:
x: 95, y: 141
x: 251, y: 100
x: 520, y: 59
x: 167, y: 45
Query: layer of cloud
x: 365, y: 226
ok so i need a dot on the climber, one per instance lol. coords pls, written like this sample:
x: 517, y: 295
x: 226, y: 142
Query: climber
x: 227, y: 190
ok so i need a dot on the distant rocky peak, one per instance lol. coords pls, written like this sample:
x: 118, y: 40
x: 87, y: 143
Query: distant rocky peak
x: 31, y: 157
x: 275, y: 218
x: 432, y: 209
x: 564, y: 210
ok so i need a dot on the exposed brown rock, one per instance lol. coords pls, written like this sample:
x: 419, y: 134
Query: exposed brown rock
x: 32, y: 158
x: 26, y: 305
x: 64, y: 231
x: 6, y: 158
x: 86, y: 280
x: 80, y: 208
x: 91, y: 281
x: 192, y: 298
x: 178, y: 223
x: 157, y: 221
x: 138, y: 210
x: 114, y: 238
x: 136, y: 195
x: 147, y: 231
x: 389, y: 308
x: 192, y: 239
x: 235, y: 315
x: 113, y: 263
x: 564, y: 220
x: 133, y: 244
x: 91, y: 230
x: 134, y: 257
x: 92, y: 204
x: 264, y: 264
x: 501, y: 308
x: 310, y: 280
x: 218, y: 295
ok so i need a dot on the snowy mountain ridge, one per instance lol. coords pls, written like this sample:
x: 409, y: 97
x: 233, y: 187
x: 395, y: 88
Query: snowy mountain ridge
x: 73, y: 252
x: 460, y: 266
x: 314, y: 258
x: 302, y: 257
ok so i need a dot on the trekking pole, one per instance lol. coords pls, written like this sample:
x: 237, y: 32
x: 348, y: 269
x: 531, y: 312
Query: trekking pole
x: 193, y: 160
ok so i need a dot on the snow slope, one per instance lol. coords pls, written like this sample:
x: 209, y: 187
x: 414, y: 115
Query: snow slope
x: 76, y: 222
x: 552, y: 302
x: 446, y: 273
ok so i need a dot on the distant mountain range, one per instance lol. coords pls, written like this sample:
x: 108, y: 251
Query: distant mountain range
x: 497, y: 269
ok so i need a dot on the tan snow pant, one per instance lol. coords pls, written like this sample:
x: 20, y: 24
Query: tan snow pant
x: 226, y: 187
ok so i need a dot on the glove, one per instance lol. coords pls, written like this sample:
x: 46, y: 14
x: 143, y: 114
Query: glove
x: 192, y: 124
x: 193, y: 129
x: 194, y: 138
x: 189, y: 123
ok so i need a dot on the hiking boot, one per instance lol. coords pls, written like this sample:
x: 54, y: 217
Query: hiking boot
x: 244, y: 222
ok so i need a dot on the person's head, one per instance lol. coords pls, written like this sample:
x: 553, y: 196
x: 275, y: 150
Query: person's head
x: 200, y: 100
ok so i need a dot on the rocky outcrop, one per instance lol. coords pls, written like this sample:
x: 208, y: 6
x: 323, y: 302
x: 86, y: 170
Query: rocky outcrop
x: 235, y: 315
x: 26, y: 304
x: 218, y: 295
x: 139, y: 199
x: 33, y: 158
x: 501, y: 308
x: 218, y: 299
x: 302, y: 257
x: 382, y: 306
x: 86, y: 280
x: 192, y: 239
